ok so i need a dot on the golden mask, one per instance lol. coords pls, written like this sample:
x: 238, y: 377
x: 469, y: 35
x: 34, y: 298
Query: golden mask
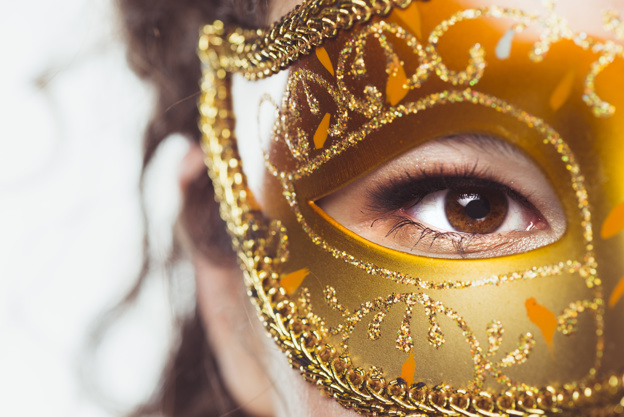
x: 491, y: 285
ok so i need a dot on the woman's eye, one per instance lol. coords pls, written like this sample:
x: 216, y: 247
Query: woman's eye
x: 484, y: 209
x: 459, y: 197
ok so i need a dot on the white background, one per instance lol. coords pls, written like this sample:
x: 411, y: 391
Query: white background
x: 72, y: 116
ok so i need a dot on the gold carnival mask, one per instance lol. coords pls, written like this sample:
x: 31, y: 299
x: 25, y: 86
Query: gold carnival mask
x: 506, y: 303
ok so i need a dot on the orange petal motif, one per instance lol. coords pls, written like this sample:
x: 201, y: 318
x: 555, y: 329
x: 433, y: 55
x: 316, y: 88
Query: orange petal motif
x: 395, y: 88
x: 410, y: 18
x: 542, y: 318
x: 617, y: 293
x: 408, y: 370
x: 562, y: 91
x: 292, y: 281
x: 614, y: 223
x: 323, y: 56
x: 321, y: 132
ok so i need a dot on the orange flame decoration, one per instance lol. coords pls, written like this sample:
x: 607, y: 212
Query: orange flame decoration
x: 408, y: 370
x: 542, y: 318
x: 323, y: 57
x: 614, y: 223
x: 617, y: 293
x: 292, y: 281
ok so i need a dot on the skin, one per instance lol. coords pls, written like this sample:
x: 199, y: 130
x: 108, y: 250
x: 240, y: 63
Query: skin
x: 255, y: 372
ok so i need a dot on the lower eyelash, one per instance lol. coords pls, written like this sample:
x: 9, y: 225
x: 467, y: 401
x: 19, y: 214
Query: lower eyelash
x: 458, y: 240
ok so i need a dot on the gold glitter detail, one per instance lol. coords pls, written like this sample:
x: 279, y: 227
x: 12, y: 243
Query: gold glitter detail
x: 483, y: 367
x: 371, y: 105
x: 364, y: 391
x: 495, y: 332
x: 613, y: 23
x: 521, y: 354
x: 374, y: 332
x: 258, y: 53
x: 568, y: 320
x: 404, y: 339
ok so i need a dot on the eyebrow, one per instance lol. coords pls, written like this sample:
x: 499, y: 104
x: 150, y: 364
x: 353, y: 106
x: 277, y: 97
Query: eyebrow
x: 483, y: 143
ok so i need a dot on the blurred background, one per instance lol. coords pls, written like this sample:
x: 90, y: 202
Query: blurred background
x: 72, y: 115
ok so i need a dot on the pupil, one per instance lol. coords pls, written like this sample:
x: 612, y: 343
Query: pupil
x: 478, y: 207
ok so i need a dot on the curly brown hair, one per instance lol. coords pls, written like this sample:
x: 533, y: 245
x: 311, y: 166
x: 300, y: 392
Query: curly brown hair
x: 161, y: 38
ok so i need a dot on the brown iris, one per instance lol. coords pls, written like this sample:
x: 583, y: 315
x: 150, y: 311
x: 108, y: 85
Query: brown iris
x: 476, y: 210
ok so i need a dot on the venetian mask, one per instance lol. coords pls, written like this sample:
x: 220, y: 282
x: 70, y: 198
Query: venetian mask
x: 426, y: 199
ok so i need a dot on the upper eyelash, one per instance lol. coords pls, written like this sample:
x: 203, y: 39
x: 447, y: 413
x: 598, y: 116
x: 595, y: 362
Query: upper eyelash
x: 391, y: 195
x: 387, y: 199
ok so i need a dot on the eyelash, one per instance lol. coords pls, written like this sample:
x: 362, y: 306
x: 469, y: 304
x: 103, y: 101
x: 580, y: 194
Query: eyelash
x: 386, y: 199
x: 458, y: 240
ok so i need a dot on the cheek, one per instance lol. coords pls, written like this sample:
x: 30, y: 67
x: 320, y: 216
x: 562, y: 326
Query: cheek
x: 231, y: 324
